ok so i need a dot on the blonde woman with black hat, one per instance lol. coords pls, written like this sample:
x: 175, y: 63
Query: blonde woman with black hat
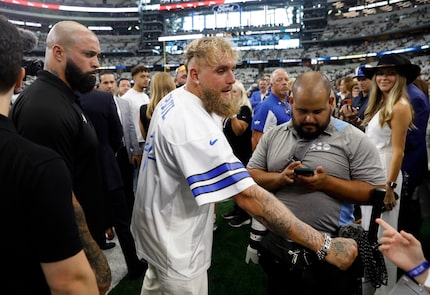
x: 387, y: 119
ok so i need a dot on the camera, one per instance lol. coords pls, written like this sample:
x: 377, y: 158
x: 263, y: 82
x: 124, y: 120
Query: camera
x: 32, y: 66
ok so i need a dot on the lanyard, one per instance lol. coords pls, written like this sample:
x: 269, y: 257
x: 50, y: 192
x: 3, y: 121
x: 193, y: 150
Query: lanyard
x: 299, y: 153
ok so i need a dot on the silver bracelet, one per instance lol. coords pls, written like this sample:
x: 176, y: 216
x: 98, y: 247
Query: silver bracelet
x: 325, y: 247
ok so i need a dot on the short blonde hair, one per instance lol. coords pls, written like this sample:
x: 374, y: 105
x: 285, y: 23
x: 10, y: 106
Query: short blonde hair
x: 211, y: 50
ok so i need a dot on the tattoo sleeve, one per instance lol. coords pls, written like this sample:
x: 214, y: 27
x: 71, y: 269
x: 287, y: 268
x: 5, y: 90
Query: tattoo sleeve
x: 268, y: 210
x: 94, y: 254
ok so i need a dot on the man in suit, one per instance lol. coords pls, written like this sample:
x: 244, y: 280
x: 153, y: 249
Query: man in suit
x: 259, y: 95
x: 100, y: 108
x: 129, y: 154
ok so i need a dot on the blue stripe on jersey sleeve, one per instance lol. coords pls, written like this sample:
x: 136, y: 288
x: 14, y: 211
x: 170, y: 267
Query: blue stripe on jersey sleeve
x: 207, y: 186
x: 220, y: 184
x: 214, y: 172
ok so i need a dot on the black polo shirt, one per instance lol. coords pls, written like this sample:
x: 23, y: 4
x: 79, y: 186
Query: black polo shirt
x: 37, y: 213
x: 47, y: 112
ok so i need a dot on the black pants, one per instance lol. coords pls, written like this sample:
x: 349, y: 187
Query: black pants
x: 127, y: 174
x: 121, y: 222
x: 318, y: 278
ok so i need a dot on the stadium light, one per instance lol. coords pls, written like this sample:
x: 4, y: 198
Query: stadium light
x: 28, y: 24
x: 179, y: 37
x: 100, y: 28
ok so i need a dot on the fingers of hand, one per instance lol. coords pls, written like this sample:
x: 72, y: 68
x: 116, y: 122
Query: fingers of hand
x: 409, y: 237
x: 354, y: 111
x: 389, y: 230
x: 288, y: 175
x: 294, y: 165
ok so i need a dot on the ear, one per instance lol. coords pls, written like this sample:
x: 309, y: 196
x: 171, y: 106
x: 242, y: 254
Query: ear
x: 20, y: 77
x: 291, y: 100
x: 194, y: 75
x: 58, y: 52
x: 331, y: 100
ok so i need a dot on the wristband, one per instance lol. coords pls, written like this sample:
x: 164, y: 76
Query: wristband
x: 418, y: 270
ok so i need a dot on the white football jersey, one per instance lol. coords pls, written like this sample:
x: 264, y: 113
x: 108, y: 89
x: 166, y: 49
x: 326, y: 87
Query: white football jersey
x: 187, y: 166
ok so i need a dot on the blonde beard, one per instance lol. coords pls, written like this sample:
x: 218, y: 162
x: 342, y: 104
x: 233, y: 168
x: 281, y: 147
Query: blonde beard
x: 213, y: 103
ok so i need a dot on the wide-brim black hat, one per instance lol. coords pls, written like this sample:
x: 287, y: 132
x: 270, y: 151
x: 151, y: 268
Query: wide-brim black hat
x: 402, y: 64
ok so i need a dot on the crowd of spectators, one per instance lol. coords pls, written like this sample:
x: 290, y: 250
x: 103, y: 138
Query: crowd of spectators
x: 291, y: 97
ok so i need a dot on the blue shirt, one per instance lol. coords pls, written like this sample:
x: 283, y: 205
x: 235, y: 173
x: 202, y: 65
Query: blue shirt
x: 255, y: 98
x: 415, y: 158
x: 270, y: 113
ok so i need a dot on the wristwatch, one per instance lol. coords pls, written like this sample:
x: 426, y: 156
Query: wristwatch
x: 325, y: 247
x: 393, y: 185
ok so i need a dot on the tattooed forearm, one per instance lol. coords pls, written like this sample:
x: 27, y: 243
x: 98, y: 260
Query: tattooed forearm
x: 94, y: 254
x: 268, y: 210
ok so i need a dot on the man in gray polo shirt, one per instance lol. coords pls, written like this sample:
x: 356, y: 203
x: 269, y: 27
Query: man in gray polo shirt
x: 345, y: 168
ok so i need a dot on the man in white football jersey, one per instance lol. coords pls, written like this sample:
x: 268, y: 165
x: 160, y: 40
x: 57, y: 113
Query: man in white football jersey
x: 187, y: 166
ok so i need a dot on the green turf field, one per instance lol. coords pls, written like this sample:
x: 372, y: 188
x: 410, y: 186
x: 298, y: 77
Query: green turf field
x: 229, y: 274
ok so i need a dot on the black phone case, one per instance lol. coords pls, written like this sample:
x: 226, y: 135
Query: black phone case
x: 304, y: 171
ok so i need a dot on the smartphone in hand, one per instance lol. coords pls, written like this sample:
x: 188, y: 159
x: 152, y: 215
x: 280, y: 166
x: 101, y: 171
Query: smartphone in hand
x: 306, y: 171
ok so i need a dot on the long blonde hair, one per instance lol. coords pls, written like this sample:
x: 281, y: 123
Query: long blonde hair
x: 244, y: 100
x: 161, y: 84
x: 376, y: 102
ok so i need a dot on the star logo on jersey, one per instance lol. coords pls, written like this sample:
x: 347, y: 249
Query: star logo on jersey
x: 213, y: 141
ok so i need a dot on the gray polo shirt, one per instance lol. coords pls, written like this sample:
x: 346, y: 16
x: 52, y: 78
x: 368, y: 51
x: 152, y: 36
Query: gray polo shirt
x: 342, y: 150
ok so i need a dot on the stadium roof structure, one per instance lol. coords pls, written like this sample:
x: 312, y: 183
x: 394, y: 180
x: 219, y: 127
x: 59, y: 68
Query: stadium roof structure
x: 161, y: 22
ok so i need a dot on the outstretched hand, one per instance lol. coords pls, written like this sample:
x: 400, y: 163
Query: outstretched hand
x: 343, y: 253
x: 403, y: 249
